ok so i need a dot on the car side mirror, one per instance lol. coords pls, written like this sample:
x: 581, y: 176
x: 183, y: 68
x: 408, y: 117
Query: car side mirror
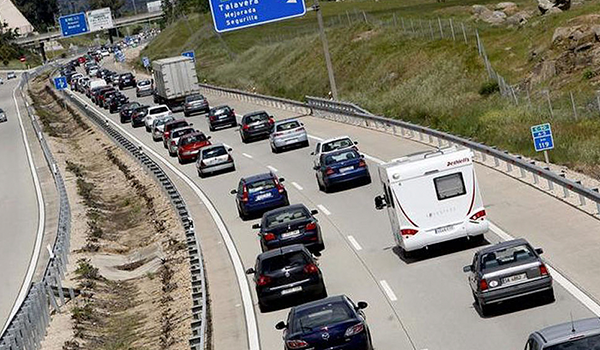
x: 316, y: 167
x: 314, y: 212
x: 230, y: 149
x: 233, y: 192
x: 356, y: 142
x: 362, y: 305
x: 191, y: 124
x: 280, y: 325
x: 467, y: 268
x: 312, y: 153
x: 256, y: 226
x: 362, y: 155
x: 380, y: 202
x: 539, y: 251
x: 250, y: 271
x: 208, y: 137
x: 281, y: 179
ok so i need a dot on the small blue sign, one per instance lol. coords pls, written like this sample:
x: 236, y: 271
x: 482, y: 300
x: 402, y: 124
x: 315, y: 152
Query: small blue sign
x: 74, y: 24
x: 60, y: 83
x: 146, y: 61
x: 542, y: 137
x: 190, y: 54
x: 235, y: 14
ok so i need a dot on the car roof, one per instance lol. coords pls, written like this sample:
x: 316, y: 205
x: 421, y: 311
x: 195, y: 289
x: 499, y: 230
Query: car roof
x: 284, y: 209
x: 155, y: 107
x: 258, y: 177
x: 310, y: 305
x: 195, y: 133
x: 339, y: 151
x: 255, y: 113
x: 281, y: 251
x: 175, y: 121
x: 335, y: 139
x: 502, y: 245
x: 182, y: 128
x: 285, y: 121
x: 564, y: 331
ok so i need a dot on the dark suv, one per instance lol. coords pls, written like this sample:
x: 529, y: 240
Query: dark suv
x: 127, y: 80
x: 127, y: 111
x: 221, y: 116
x: 288, y: 275
x: 256, y: 125
x: 138, y: 115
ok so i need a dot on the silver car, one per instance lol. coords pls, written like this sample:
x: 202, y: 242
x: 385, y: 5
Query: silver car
x: 143, y: 88
x: 158, y: 126
x: 574, y: 335
x: 173, y: 144
x: 508, y: 270
x: 287, y: 133
x: 2, y: 116
x: 214, y: 158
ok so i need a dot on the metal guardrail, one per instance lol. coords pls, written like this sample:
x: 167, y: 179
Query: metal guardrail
x: 199, y: 323
x: 351, y: 114
x: 28, y: 327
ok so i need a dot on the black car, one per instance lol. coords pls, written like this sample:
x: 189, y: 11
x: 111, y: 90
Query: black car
x: 289, y: 225
x: 116, y: 102
x: 127, y: 111
x: 127, y: 80
x: 330, y: 323
x: 109, y: 77
x: 138, y: 115
x: 287, y: 275
x: 107, y: 97
x: 221, y: 116
x: 256, y: 125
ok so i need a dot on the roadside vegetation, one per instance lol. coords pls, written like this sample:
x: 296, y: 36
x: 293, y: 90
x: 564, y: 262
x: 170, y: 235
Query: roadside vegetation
x: 439, y: 83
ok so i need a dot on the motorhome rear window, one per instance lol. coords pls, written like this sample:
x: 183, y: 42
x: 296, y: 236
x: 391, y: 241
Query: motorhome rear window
x: 449, y: 186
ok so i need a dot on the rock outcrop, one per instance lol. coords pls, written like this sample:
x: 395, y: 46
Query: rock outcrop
x: 546, y: 5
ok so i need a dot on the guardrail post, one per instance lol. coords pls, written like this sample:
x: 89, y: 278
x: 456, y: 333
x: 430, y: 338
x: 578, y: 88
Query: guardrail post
x: 496, y: 162
x: 597, y: 203
x: 420, y: 135
x: 534, y: 173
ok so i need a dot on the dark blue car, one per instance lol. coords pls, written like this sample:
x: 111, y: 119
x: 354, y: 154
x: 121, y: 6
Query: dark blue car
x: 333, y: 323
x: 259, y: 193
x: 341, y: 167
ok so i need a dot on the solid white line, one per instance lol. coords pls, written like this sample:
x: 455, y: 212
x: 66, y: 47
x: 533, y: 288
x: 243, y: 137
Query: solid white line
x: 323, y: 209
x: 251, y: 325
x: 273, y: 169
x: 369, y: 157
x: 388, y: 290
x: 558, y: 277
x: 41, y: 221
x: 354, y: 243
x: 297, y: 186
x: 247, y: 155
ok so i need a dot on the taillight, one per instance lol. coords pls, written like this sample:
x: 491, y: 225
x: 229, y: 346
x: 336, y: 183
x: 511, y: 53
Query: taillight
x: 277, y: 134
x: 269, y: 236
x: 311, y: 268
x: 229, y: 159
x: 245, y: 194
x: 167, y: 134
x: 357, y: 328
x: 329, y: 171
x: 246, y: 127
x: 271, y: 121
x: 212, y: 118
x: 408, y: 232
x: 483, y: 285
x: 263, y: 280
x: 543, y: 270
x: 362, y: 163
x: 311, y: 226
x: 172, y: 142
x: 479, y: 215
x: 296, y: 344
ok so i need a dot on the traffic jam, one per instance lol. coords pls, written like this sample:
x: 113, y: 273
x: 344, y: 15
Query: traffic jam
x: 286, y: 272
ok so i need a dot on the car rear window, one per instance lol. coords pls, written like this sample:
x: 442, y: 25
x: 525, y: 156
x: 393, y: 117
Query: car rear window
x: 317, y: 317
x: 159, y: 110
x: 336, y: 144
x: 214, y: 152
x: 506, y: 256
x: 288, y: 126
x: 291, y: 214
x: 449, y: 186
x: 279, y: 262
x: 261, y: 185
x: 588, y: 343
x: 219, y: 111
x: 144, y: 83
x: 340, y: 157
x: 179, y: 133
x: 194, y: 98
x: 256, y: 118
x: 193, y: 138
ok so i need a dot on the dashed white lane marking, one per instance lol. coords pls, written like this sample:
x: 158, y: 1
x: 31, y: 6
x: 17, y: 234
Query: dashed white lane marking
x: 369, y: 157
x: 247, y: 155
x: 323, y: 209
x: 558, y: 277
x: 388, y: 290
x: 354, y: 243
x: 300, y: 188
x: 273, y: 169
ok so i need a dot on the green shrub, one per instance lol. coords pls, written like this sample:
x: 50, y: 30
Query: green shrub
x: 489, y: 88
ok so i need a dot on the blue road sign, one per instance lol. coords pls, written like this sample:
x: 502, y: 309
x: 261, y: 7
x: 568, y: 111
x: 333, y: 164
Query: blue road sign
x: 189, y: 54
x: 146, y: 61
x: 74, y: 24
x: 237, y: 14
x: 542, y: 137
x: 60, y: 83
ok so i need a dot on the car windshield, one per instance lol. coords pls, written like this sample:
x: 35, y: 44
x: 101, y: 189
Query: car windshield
x: 279, y: 262
x: 257, y: 118
x: 340, y: 157
x: 179, y: 133
x: 133, y: 105
x: 506, y: 256
x: 127, y: 76
x: 144, y: 83
x: 141, y: 111
x: 319, y: 316
x: 163, y: 121
x: 288, y: 126
x: 159, y: 110
x: 192, y: 139
x: 220, y: 110
x: 282, y: 218
x: 194, y: 98
x: 336, y: 144
x: 261, y: 185
x: 214, y: 152
x: 588, y: 343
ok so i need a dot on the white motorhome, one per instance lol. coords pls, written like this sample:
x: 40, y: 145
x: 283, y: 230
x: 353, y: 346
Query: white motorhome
x: 432, y: 197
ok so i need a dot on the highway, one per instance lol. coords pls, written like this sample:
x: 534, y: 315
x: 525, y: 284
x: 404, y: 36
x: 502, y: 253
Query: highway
x: 420, y: 304
x: 19, y: 207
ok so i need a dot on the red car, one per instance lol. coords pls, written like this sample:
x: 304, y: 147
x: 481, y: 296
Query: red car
x: 189, y: 146
x: 81, y: 59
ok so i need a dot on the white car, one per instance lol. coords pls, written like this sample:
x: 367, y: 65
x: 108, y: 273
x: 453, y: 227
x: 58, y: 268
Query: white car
x: 215, y: 158
x: 2, y: 116
x: 104, y: 53
x: 1, y: 81
x: 10, y: 75
x: 156, y: 112
x: 143, y: 88
x: 331, y: 145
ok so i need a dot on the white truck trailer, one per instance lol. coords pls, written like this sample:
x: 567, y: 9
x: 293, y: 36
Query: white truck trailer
x: 174, y: 79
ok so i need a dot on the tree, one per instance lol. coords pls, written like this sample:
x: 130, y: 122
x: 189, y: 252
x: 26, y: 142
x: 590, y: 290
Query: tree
x: 8, y: 50
x: 115, y: 5
x: 39, y: 12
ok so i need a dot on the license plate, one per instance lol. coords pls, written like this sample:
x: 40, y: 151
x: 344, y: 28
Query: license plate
x: 290, y: 234
x: 291, y: 290
x: 291, y: 141
x: 222, y: 116
x: 346, y: 169
x: 263, y: 196
x: 443, y: 229
x: 514, y: 278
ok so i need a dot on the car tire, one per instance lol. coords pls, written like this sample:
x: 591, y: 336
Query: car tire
x: 211, y: 128
x: 243, y: 215
x: 286, y: 202
x: 322, y: 294
x: 368, y: 180
x: 263, y: 307
x: 305, y: 144
x: 186, y: 114
x: 172, y: 154
x: 200, y: 174
x: 147, y: 129
x: 233, y: 125
x: 180, y: 160
x: 244, y: 139
x: 548, y: 296
x: 326, y: 188
x: 484, y: 309
x: 274, y: 149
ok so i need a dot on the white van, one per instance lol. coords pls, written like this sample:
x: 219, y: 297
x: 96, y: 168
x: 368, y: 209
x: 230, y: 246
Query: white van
x: 432, y: 197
